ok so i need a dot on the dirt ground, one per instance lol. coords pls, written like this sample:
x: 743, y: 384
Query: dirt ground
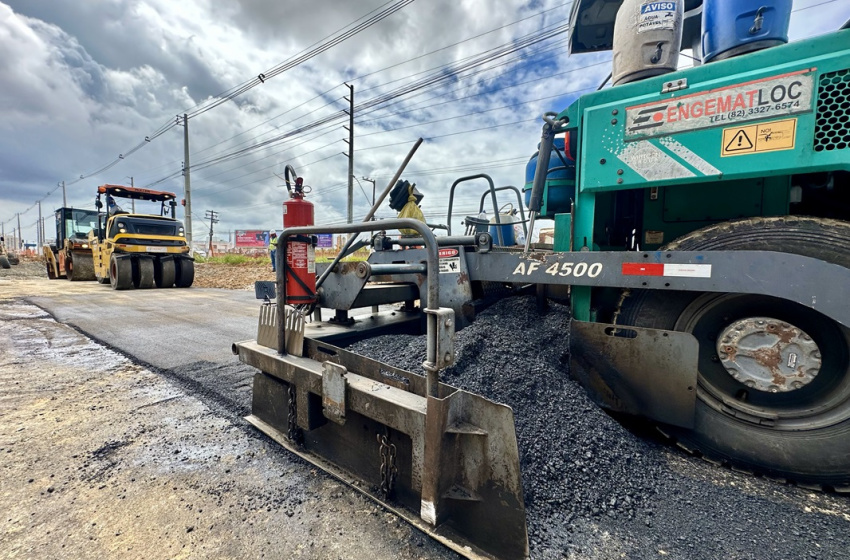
x: 103, y: 458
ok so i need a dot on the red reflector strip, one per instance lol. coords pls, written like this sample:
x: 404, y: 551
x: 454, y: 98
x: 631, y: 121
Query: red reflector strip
x: 658, y: 269
x: 643, y: 269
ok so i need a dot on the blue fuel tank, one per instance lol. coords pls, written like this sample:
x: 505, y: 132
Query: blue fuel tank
x: 733, y: 27
x: 560, y: 187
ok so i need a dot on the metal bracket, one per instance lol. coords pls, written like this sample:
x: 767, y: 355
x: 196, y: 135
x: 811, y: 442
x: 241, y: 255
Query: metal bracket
x: 333, y: 392
x: 675, y: 85
x: 445, y: 322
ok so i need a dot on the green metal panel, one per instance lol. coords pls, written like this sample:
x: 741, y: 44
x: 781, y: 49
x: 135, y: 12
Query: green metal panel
x: 634, y: 136
x: 563, y: 232
x: 671, y: 212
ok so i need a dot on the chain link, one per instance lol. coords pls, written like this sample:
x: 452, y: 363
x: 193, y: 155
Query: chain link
x: 389, y: 471
x: 294, y: 433
x: 623, y: 295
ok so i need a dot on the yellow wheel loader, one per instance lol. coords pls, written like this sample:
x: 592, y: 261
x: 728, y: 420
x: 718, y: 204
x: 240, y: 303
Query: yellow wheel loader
x: 132, y: 250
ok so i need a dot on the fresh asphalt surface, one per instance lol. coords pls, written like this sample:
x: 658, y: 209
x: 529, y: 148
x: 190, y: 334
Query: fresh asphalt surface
x: 162, y: 328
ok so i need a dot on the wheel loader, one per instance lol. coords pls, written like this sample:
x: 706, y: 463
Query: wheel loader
x: 70, y: 256
x: 702, y: 237
x: 132, y: 250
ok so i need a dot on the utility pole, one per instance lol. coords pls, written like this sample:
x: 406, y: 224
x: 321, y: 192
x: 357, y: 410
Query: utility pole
x: 370, y: 180
x: 350, y: 153
x: 39, y: 241
x: 133, y: 201
x: 64, y: 198
x: 20, y: 235
x: 187, y: 184
x: 213, y: 217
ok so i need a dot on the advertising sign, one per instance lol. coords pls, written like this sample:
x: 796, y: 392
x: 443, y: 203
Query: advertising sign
x: 325, y: 240
x: 252, y: 238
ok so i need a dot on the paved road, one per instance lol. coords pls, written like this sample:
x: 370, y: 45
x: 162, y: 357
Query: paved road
x: 164, y: 328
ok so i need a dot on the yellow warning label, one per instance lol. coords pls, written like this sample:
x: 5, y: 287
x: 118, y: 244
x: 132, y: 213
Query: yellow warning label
x: 766, y: 137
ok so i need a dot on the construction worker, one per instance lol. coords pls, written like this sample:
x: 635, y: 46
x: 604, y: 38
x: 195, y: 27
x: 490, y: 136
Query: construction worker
x: 273, y: 250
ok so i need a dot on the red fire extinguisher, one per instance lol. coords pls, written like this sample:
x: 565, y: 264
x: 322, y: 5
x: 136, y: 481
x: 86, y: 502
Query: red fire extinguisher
x: 300, y: 266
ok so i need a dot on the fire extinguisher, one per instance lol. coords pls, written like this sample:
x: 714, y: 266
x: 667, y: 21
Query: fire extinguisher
x: 300, y: 265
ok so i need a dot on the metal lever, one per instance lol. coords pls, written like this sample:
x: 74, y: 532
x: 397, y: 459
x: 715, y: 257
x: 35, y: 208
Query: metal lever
x: 658, y: 52
x: 758, y: 21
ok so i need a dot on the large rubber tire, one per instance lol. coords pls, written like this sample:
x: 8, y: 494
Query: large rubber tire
x: 185, y: 273
x: 79, y: 268
x: 120, y: 273
x: 143, y: 273
x: 809, y: 439
x: 4, y: 262
x: 164, y: 273
x: 14, y: 259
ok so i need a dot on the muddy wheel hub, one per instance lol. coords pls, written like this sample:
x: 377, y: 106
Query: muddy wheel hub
x: 768, y: 355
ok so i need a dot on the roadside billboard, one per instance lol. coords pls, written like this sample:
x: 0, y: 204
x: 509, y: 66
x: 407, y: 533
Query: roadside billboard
x: 252, y: 238
x: 325, y: 241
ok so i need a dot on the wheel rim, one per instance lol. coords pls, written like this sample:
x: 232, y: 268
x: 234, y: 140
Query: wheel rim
x: 824, y: 398
x: 767, y: 354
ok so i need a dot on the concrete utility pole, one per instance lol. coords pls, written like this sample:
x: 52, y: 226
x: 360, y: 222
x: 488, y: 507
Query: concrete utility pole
x: 39, y: 239
x: 213, y: 217
x: 64, y: 198
x: 350, y: 153
x: 370, y: 180
x: 187, y: 184
x: 133, y: 201
x: 20, y: 235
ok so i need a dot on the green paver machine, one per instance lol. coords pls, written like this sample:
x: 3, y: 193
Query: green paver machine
x: 705, y: 240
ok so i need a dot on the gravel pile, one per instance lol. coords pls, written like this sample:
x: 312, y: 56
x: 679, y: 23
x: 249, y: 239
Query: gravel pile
x: 594, y: 489
x: 28, y: 266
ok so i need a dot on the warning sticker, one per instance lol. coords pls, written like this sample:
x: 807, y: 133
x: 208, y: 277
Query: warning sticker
x: 738, y: 140
x: 447, y: 252
x: 656, y: 15
x: 779, y: 96
x: 765, y: 137
x: 449, y: 265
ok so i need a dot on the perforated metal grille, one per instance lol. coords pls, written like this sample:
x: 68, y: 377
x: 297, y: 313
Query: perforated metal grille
x: 832, y: 129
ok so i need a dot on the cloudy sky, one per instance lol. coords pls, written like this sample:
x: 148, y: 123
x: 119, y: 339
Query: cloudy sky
x: 85, y: 83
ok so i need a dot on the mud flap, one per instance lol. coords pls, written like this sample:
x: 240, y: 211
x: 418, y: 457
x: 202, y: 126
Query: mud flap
x: 640, y: 371
x: 454, y: 470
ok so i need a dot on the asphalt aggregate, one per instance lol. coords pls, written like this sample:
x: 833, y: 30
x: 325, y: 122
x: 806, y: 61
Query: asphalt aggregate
x: 597, y: 489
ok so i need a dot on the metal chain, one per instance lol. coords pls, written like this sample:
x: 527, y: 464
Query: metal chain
x: 623, y: 295
x: 294, y: 433
x: 389, y: 471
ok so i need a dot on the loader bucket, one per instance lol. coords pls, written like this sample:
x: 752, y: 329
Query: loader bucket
x: 448, y: 464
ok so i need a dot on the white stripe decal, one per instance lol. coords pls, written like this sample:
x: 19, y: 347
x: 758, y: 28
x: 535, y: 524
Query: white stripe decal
x: 689, y: 157
x: 651, y: 162
x: 688, y: 270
